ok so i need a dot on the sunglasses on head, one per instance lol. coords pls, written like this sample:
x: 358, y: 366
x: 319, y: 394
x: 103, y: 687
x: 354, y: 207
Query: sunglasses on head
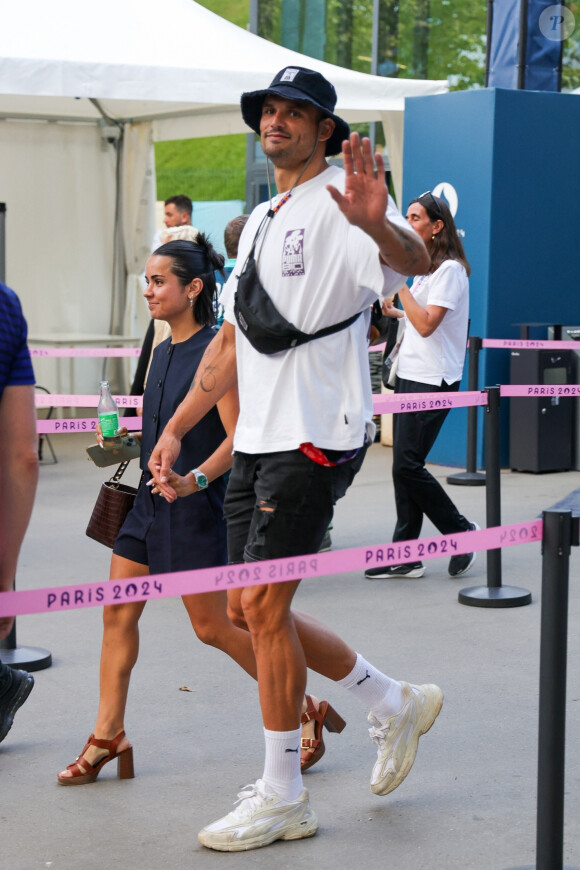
x: 433, y: 204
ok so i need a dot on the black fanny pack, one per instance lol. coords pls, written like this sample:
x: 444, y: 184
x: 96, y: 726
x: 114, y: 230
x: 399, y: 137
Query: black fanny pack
x: 266, y: 329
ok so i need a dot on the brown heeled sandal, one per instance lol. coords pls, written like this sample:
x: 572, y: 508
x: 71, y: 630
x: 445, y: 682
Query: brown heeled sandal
x: 90, y: 772
x: 325, y: 715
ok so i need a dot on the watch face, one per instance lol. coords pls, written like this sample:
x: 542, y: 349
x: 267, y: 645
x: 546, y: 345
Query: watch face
x: 201, y: 479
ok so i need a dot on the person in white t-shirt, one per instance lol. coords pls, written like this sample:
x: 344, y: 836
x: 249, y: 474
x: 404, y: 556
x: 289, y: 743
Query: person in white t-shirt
x: 326, y: 246
x: 431, y: 357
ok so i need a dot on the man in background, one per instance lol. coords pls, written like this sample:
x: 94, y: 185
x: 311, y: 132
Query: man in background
x: 178, y: 211
x: 18, y: 477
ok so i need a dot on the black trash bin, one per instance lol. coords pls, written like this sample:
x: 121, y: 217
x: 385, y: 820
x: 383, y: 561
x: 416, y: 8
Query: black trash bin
x: 542, y: 427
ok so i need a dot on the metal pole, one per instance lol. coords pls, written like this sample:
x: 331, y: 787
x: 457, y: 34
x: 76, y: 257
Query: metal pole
x: 556, y: 542
x: 374, y: 64
x: 472, y: 384
x: 471, y: 477
x: 493, y: 485
x: 27, y: 658
x: 522, y: 45
x: 488, y: 41
x: 494, y: 594
x: 560, y: 532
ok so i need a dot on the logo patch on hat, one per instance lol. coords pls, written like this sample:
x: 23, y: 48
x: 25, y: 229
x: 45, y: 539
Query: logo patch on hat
x: 289, y: 74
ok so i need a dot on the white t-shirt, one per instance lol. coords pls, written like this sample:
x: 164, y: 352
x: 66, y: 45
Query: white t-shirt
x: 441, y: 355
x: 318, y: 270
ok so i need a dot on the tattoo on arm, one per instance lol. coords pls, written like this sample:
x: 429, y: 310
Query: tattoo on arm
x: 207, y: 381
x: 409, y: 246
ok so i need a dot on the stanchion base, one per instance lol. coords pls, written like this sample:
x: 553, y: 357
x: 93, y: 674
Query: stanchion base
x: 26, y: 658
x: 494, y: 596
x: 467, y: 478
x: 534, y: 867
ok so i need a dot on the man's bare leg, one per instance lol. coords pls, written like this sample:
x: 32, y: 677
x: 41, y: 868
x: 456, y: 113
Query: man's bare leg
x: 280, y: 660
x: 391, y: 703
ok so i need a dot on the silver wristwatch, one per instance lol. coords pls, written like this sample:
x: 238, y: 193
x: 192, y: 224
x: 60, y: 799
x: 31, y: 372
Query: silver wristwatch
x: 200, y: 478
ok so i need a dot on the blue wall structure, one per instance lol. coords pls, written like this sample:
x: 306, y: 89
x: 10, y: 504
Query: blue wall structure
x: 513, y: 159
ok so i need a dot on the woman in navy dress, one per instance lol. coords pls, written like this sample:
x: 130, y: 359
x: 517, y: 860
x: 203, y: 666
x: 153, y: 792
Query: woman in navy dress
x: 157, y: 536
x: 188, y: 533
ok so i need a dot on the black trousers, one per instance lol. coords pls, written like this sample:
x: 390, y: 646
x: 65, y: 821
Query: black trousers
x: 417, y: 493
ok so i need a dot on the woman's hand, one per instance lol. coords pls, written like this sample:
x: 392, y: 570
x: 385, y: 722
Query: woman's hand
x: 390, y: 309
x: 182, y: 485
x: 123, y: 432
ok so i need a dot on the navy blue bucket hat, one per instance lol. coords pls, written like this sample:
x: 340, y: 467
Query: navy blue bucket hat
x: 306, y: 86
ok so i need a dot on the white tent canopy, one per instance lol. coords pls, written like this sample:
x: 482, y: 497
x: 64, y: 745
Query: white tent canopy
x: 84, y: 92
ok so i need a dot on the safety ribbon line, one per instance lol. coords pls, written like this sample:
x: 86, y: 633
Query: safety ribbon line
x: 540, y: 390
x: 65, y: 400
x: 533, y: 344
x: 78, y: 595
x: 383, y: 403
x: 401, y: 402
x: 84, y: 351
x: 530, y: 343
x: 82, y: 424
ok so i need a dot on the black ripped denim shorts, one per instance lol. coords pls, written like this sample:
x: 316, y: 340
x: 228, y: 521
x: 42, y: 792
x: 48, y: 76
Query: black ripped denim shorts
x: 281, y: 504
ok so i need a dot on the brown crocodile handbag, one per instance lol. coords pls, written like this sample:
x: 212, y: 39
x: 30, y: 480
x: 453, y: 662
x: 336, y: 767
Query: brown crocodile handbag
x: 114, y: 502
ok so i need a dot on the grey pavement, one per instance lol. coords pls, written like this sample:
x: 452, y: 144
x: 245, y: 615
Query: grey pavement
x: 470, y: 800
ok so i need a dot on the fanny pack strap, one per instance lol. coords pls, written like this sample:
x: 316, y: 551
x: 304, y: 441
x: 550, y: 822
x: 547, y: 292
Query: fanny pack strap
x: 262, y: 298
x: 299, y: 336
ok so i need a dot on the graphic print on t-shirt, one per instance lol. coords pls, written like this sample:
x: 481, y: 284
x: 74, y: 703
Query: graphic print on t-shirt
x: 293, y: 254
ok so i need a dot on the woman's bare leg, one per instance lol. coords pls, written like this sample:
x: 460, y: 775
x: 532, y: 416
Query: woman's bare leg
x: 209, y: 616
x: 326, y: 653
x: 119, y: 651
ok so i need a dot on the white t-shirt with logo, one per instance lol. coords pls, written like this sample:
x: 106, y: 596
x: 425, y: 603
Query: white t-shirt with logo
x: 318, y: 270
x: 441, y: 355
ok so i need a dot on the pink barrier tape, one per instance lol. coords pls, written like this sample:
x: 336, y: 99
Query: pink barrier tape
x: 62, y: 400
x: 258, y: 573
x: 532, y: 344
x: 85, y: 351
x: 540, y: 390
x: 85, y: 424
x: 401, y: 402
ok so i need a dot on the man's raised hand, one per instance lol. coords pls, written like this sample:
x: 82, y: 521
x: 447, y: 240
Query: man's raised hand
x: 365, y: 198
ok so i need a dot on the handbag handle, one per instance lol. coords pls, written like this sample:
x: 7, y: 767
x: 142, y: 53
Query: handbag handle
x: 119, y: 472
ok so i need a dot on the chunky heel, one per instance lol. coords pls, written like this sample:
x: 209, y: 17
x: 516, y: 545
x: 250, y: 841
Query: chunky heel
x: 325, y: 716
x: 125, y: 768
x: 332, y: 720
x: 82, y: 771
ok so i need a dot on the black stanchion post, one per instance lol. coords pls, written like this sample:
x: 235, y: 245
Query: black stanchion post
x: 25, y: 658
x: 494, y: 594
x: 556, y: 542
x: 560, y: 532
x: 471, y: 477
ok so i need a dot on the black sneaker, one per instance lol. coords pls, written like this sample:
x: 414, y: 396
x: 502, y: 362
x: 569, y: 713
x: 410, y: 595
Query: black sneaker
x: 326, y: 544
x: 461, y: 564
x: 411, y: 570
x: 22, y: 683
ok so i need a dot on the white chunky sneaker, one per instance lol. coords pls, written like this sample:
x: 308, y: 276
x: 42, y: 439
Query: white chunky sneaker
x: 398, y: 737
x: 260, y: 818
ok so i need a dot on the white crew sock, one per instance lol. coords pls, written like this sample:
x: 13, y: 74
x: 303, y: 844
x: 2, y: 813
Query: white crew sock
x: 382, y: 695
x: 282, y: 765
